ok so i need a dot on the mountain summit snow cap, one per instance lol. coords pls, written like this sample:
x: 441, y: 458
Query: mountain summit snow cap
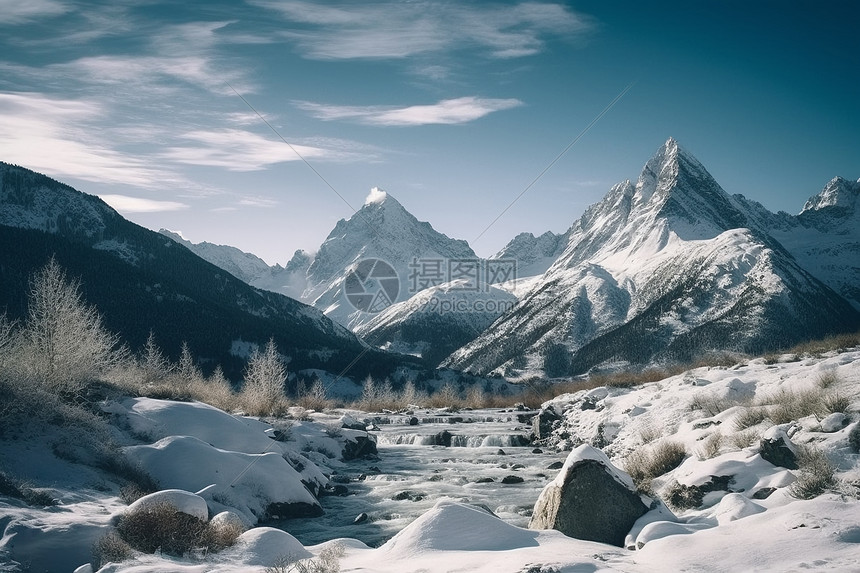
x: 376, y: 195
x: 839, y: 192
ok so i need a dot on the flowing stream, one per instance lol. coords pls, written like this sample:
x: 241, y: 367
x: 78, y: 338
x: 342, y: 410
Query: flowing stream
x: 487, y: 464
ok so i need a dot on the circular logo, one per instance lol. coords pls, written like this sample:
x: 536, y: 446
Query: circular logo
x: 372, y: 285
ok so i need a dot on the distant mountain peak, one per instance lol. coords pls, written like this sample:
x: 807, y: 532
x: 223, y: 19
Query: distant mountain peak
x: 839, y: 193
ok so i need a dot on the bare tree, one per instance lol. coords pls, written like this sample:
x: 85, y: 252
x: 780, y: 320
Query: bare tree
x: 156, y: 367
x: 69, y: 346
x: 265, y: 375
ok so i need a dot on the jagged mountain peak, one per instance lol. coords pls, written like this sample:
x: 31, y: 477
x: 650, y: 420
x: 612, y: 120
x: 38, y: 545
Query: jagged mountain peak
x: 677, y: 187
x: 839, y: 193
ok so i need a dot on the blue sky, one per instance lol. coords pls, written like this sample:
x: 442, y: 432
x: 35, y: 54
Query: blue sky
x: 452, y: 107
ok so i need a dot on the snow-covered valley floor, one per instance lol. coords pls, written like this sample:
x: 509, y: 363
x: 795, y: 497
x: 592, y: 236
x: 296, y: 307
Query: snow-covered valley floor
x: 421, y: 499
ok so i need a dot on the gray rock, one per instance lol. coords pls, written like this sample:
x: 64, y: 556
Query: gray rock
x: 777, y: 448
x: 360, y: 447
x: 834, y: 422
x: 544, y: 423
x: 593, y: 500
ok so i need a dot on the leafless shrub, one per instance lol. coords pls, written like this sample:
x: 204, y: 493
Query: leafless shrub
x: 328, y: 561
x: 815, y: 475
x: 787, y: 406
x: 833, y: 403
x: 749, y: 417
x: 110, y: 548
x: 445, y: 397
x: 711, y: 446
x: 215, y: 390
x: 709, y: 404
x: 644, y: 465
x: 745, y: 438
x: 313, y: 398
x: 263, y: 390
x: 649, y: 433
x: 828, y: 379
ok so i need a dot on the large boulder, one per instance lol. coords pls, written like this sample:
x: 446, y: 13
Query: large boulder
x: 589, y: 499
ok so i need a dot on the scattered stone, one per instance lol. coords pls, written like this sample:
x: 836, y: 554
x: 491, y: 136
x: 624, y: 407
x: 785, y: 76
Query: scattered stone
x: 518, y: 467
x: 435, y: 477
x: 360, y: 447
x: 408, y: 496
x: 335, y: 490
x: 413, y: 421
x: 501, y: 452
x: 777, y: 448
x: 280, y: 510
x: 763, y: 493
x: 834, y: 422
x: 339, y: 478
x: 544, y: 423
x: 360, y: 518
x: 512, y: 480
x: 555, y: 466
x: 485, y: 480
x: 682, y: 496
x: 350, y: 423
x: 590, y: 499
x: 537, y: 451
x: 443, y: 438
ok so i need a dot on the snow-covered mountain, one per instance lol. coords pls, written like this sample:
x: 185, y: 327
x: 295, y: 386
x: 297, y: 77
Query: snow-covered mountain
x: 290, y: 280
x: 670, y: 267
x: 382, y: 229
x: 143, y: 282
x: 825, y: 237
x: 534, y: 255
x: 436, y: 321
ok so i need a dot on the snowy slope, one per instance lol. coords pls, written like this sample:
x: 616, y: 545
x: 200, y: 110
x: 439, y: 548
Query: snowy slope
x: 667, y: 268
x: 750, y: 522
x: 436, y: 321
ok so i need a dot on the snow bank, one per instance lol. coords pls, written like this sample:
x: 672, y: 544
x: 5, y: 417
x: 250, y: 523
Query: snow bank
x: 247, y: 482
x: 182, y: 501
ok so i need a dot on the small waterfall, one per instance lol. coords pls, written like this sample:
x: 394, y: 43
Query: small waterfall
x: 456, y: 441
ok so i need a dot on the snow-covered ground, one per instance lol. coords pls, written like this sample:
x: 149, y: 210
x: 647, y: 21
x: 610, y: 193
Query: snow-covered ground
x: 236, y: 466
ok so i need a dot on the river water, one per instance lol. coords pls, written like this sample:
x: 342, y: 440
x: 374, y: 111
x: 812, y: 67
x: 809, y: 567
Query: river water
x: 412, y: 474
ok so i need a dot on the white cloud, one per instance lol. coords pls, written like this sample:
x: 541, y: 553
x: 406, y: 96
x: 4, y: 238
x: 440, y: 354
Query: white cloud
x: 258, y: 202
x: 18, y: 11
x: 451, y: 111
x: 126, y: 204
x: 399, y: 30
x: 240, y: 150
x: 52, y: 135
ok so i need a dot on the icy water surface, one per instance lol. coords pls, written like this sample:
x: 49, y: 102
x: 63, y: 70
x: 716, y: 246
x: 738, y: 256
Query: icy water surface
x: 412, y: 475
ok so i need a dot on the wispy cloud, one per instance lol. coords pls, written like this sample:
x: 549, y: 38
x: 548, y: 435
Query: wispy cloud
x: 258, y: 202
x: 51, y: 135
x: 356, y: 30
x: 127, y: 204
x: 241, y: 150
x: 17, y: 12
x: 451, y: 111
